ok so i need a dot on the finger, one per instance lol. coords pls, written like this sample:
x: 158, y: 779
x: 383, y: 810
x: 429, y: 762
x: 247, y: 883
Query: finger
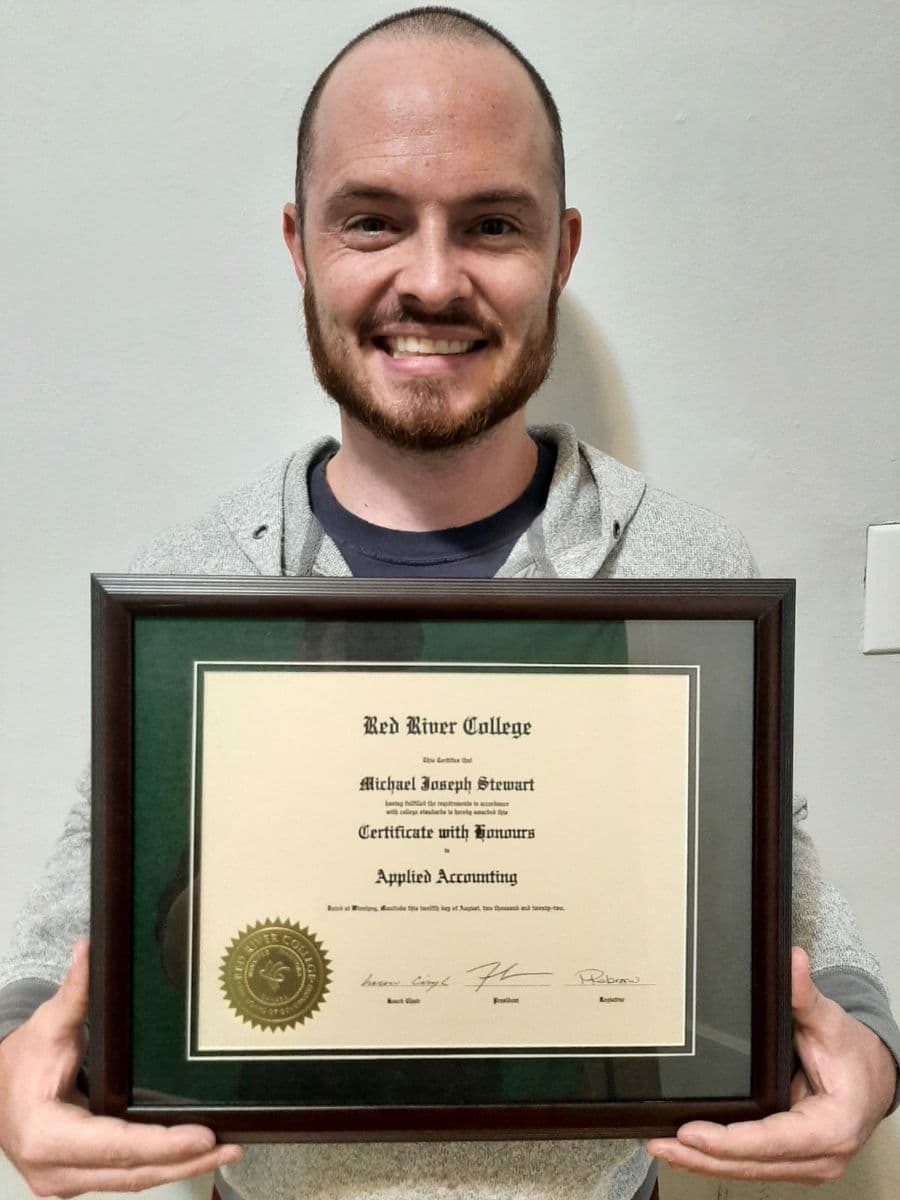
x: 66, y: 1012
x: 80, y: 1139
x: 809, y: 1008
x: 800, y: 1088
x: 822, y: 1169
x: 806, y: 1132
x: 74, y: 1181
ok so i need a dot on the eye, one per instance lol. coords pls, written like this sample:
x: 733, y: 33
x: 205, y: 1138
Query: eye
x: 494, y: 227
x: 368, y: 232
x: 368, y: 225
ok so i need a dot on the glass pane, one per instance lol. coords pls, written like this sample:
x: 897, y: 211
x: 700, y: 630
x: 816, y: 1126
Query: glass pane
x: 720, y: 657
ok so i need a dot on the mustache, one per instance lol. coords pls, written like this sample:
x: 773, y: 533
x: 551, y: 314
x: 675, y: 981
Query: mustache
x: 453, y: 314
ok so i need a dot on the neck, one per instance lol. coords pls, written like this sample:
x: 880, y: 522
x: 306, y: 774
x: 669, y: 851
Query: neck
x: 418, y: 491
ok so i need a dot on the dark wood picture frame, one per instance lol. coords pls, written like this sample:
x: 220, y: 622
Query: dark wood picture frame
x: 118, y: 600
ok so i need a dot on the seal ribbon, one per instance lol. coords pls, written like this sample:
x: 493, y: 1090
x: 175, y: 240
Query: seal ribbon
x: 275, y: 975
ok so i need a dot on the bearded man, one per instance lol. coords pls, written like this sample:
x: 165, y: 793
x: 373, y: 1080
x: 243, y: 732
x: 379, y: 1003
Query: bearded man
x: 431, y: 237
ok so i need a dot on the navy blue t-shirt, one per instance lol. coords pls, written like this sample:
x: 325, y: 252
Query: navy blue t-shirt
x: 475, y: 551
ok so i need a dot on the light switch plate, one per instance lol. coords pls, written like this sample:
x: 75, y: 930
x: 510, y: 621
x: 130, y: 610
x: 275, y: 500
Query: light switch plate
x: 881, y: 629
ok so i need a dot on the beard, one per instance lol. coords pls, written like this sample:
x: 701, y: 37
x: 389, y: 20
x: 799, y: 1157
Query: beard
x: 423, y: 421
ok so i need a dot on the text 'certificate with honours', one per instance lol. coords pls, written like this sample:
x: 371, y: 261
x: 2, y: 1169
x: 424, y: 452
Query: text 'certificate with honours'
x: 421, y: 860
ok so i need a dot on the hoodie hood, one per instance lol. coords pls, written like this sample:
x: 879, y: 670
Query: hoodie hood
x: 591, y: 503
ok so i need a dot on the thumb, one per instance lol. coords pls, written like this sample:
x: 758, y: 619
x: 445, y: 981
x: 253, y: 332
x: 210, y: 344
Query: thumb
x: 808, y: 1005
x: 68, y: 1009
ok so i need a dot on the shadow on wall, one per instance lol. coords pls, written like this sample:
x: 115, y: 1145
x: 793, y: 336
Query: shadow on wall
x: 585, y: 388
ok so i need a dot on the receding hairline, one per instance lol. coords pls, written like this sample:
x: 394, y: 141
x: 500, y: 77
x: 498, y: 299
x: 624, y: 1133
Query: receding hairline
x: 428, y: 24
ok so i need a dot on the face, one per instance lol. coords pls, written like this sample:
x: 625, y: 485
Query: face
x: 432, y: 248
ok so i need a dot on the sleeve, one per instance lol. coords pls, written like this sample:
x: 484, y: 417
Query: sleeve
x: 824, y: 925
x: 56, y: 913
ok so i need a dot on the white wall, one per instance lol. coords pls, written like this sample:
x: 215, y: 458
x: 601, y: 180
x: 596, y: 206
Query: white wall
x: 731, y: 329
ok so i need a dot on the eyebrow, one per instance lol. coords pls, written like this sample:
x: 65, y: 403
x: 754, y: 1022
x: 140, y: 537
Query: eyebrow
x: 515, y: 197
x: 359, y: 191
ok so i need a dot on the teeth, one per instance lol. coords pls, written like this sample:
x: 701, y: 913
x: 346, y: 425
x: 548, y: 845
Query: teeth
x: 420, y: 345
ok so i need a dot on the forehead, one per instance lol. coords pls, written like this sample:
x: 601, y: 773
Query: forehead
x: 448, y: 111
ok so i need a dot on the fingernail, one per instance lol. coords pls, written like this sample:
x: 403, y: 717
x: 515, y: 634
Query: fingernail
x: 232, y: 1154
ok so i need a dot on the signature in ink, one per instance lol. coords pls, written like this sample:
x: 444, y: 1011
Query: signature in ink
x: 496, y: 973
x: 594, y: 977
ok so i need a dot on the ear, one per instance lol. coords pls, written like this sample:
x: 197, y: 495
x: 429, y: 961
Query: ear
x: 293, y: 239
x: 569, y: 241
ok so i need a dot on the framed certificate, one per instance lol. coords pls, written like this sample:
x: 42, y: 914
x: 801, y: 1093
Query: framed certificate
x: 440, y: 859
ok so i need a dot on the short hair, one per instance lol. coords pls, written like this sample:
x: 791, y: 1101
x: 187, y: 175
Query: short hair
x: 438, y: 22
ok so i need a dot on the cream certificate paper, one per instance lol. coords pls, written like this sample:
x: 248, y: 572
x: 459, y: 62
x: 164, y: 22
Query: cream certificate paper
x: 430, y: 859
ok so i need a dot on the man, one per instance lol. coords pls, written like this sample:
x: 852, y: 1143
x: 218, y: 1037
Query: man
x: 431, y: 238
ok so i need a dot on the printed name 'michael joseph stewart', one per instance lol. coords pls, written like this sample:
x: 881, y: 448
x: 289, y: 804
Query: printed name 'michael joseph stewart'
x: 428, y: 783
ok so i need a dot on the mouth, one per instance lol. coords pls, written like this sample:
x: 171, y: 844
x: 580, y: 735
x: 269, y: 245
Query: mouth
x: 414, y: 347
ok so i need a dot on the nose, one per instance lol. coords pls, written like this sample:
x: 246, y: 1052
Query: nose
x: 433, y: 274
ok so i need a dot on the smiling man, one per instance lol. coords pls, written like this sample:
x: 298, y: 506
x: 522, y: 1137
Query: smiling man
x: 431, y: 237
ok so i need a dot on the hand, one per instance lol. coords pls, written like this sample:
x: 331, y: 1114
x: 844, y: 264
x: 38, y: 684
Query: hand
x: 844, y: 1087
x: 46, y: 1130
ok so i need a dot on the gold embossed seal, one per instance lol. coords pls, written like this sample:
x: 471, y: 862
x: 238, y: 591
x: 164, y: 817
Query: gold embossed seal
x: 275, y: 974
